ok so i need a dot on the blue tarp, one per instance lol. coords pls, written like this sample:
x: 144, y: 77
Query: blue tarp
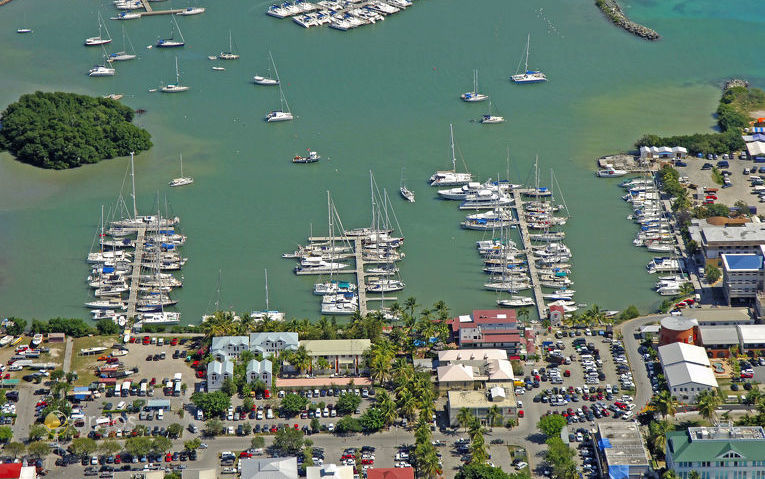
x: 108, y: 269
x: 604, y: 443
x: 619, y: 472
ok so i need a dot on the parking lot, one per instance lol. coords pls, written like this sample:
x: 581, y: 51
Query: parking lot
x: 699, y: 173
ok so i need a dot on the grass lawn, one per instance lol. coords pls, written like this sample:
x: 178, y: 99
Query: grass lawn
x: 85, y: 365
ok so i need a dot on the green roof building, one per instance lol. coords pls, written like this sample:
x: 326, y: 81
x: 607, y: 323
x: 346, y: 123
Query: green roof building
x: 720, y: 452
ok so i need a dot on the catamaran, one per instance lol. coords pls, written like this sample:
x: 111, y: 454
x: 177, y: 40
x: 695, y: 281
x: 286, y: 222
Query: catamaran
x: 451, y: 177
x: 229, y: 55
x: 474, y: 96
x: 181, y: 180
x: 267, y: 80
x: 99, y: 40
x: 123, y: 55
x: 528, y: 76
x: 280, y: 114
x: 405, y: 192
x: 175, y: 87
x: 172, y: 42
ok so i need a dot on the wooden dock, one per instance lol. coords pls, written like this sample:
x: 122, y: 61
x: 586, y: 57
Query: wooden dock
x: 150, y: 11
x: 135, y: 274
x: 533, y: 274
x: 361, y: 283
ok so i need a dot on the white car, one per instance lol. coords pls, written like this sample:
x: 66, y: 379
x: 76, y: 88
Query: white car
x: 521, y: 465
x: 330, y: 427
x: 229, y: 470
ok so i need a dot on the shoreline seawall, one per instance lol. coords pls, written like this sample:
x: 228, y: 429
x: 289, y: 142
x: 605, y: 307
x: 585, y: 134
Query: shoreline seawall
x: 613, y: 11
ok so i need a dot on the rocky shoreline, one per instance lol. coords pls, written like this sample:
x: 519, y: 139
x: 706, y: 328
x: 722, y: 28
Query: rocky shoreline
x: 613, y: 11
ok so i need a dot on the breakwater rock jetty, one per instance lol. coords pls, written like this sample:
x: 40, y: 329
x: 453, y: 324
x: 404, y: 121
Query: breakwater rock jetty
x: 734, y: 82
x: 613, y: 11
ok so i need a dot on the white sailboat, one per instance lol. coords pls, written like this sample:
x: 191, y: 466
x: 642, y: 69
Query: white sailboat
x: 172, y: 42
x: 24, y: 29
x: 490, y: 119
x: 99, y: 40
x: 474, y: 96
x: 175, y: 87
x: 405, y: 192
x: 191, y: 11
x: 102, y: 70
x: 528, y: 76
x: 268, y: 313
x: 280, y: 114
x: 229, y: 55
x: 181, y: 180
x: 123, y: 55
x: 267, y: 80
x: 451, y: 177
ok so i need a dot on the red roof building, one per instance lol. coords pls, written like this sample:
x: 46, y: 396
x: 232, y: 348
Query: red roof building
x: 390, y: 473
x: 491, y: 329
x: 17, y: 470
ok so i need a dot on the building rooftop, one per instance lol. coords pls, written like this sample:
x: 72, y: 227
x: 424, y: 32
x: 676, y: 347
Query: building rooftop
x: 748, y: 232
x: 321, y: 382
x: 678, y: 323
x: 478, y: 399
x: 269, y: 468
x: 390, y: 473
x: 680, y: 352
x: 500, y: 370
x: 455, y: 373
x: 337, y: 347
x: 622, y: 444
x: 751, y: 333
x: 329, y: 471
x: 712, y: 316
x: 683, y: 373
x: 290, y: 340
x: 742, y: 262
x: 723, y: 335
x: 456, y: 355
x: 719, y: 443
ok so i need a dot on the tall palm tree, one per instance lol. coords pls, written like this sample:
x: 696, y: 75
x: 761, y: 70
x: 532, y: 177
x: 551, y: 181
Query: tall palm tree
x: 407, y: 404
x: 708, y: 402
x: 380, y: 356
x: 492, y: 415
x: 664, y: 403
x: 657, y: 435
x: 428, y: 466
x: 464, y: 418
x: 523, y: 314
x: 410, y: 304
x: 478, y: 450
x: 386, y: 405
x: 402, y: 371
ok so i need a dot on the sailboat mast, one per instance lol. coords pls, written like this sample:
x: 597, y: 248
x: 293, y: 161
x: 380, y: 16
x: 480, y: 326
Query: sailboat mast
x: 181, y: 165
x: 528, y: 41
x: 475, y: 81
x: 177, y: 73
x: 266, y: 273
x: 101, y: 238
x: 372, y: 197
x: 454, y: 157
x: 330, y: 229
x: 132, y: 180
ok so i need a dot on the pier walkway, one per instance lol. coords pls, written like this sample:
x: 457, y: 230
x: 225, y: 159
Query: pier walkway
x: 150, y: 11
x: 533, y: 274
x: 135, y: 274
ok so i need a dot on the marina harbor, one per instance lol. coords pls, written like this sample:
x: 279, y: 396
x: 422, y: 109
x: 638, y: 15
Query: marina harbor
x: 341, y: 15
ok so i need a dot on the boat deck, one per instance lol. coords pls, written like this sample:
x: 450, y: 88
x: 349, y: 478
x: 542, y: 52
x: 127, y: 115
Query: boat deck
x: 150, y: 11
x: 533, y: 274
x: 135, y: 273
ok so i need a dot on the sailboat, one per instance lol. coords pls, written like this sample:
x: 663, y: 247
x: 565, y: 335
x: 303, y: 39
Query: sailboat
x: 123, y: 55
x: 528, y: 76
x: 24, y: 29
x: 272, y: 315
x: 229, y: 55
x: 99, y: 40
x: 451, y: 177
x: 175, y: 87
x: 267, y: 80
x: 182, y: 180
x: 280, y: 114
x: 474, y: 96
x: 405, y: 192
x: 489, y: 119
x: 171, y: 42
x: 102, y: 70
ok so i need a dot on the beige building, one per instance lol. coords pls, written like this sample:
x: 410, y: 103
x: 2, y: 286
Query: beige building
x: 342, y: 355
x: 479, y: 403
x: 329, y: 471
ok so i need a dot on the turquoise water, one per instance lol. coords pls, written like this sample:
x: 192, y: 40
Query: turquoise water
x: 380, y: 97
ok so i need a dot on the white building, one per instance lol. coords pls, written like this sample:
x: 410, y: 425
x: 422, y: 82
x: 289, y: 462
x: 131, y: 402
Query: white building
x: 329, y: 471
x: 217, y: 372
x: 229, y: 347
x: 273, y: 343
x: 655, y: 152
x: 269, y: 468
x: 720, y: 452
x: 743, y: 275
x: 687, y: 370
x: 260, y: 371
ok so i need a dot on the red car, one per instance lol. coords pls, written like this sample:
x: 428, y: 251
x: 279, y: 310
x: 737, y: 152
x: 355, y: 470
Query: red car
x: 297, y: 427
x: 195, y: 364
x: 117, y: 459
x: 245, y: 454
x: 567, y: 373
x: 367, y: 461
x: 747, y: 375
x: 168, y: 458
x: 153, y: 381
x: 146, y: 340
x: 520, y: 413
x: 274, y: 428
x: 267, y: 394
x: 174, y: 342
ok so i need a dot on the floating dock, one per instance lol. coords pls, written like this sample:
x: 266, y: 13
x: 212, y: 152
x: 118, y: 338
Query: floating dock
x: 135, y: 273
x: 523, y: 228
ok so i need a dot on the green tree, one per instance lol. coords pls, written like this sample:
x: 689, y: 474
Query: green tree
x: 479, y: 453
x: 161, y: 444
x: 481, y: 471
x: 6, y: 433
x: 292, y: 404
x: 347, y: 403
x: 493, y: 416
x: 664, y: 403
x: 707, y: 402
x: 630, y: 312
x: 83, y: 446
x: 246, y: 429
x: 107, y: 327
x: 551, y: 425
x: 212, y: 404
x: 192, y: 444
x: 15, y: 326
x: 465, y: 418
x: 38, y: 449
x: 315, y: 425
x: 15, y: 449
x: 694, y: 475
x: 348, y: 424
x: 57, y: 375
x: 109, y: 447
x: 138, y: 446
x: 65, y: 130
x: 258, y: 442
x: 372, y: 420
x: 288, y: 441
x: 37, y: 432
x: 213, y: 427
x: 712, y: 273
x: 175, y: 430
x: 228, y: 387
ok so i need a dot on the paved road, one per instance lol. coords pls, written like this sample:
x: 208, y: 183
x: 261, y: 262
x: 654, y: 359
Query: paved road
x: 67, y: 366
x: 643, y: 389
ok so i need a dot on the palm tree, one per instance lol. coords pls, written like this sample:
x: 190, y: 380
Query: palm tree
x: 708, y: 402
x: 380, y: 356
x: 464, y: 418
x: 410, y: 304
x: 428, y: 466
x: 386, y: 405
x: 402, y: 371
x: 322, y: 363
x: 657, y: 436
x: 475, y: 428
x: 478, y: 450
x: 407, y: 404
x: 523, y: 314
x: 665, y: 403
x: 492, y: 415
x: 694, y: 475
x: 299, y: 358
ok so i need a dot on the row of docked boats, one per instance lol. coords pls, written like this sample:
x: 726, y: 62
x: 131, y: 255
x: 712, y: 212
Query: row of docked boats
x: 131, y: 268
x: 340, y: 15
x: 655, y: 233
